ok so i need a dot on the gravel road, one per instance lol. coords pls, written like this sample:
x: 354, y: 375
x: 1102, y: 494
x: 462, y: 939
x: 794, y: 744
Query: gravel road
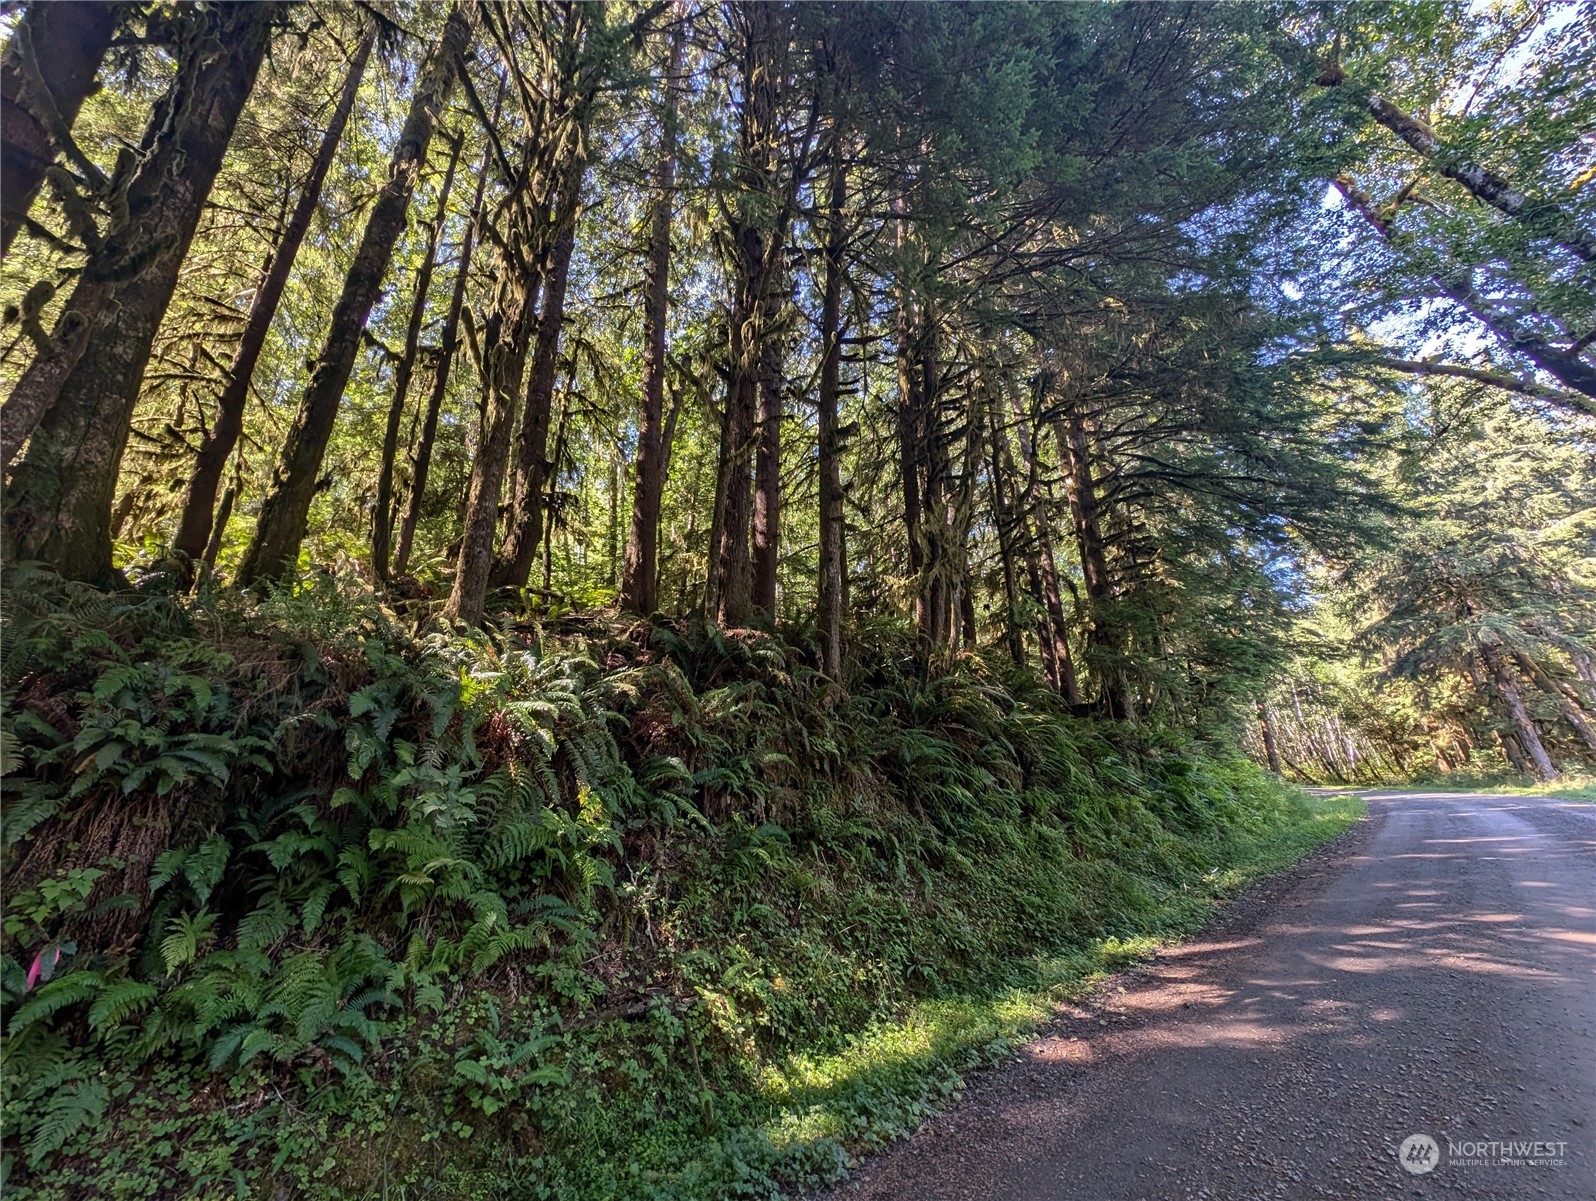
x: 1430, y: 972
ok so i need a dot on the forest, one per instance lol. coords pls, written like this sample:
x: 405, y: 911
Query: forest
x: 577, y: 571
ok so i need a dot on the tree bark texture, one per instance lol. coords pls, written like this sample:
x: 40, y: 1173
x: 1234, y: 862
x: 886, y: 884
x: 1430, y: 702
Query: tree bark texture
x: 1052, y: 628
x: 1564, y: 365
x: 1566, y: 698
x: 1545, y: 218
x: 525, y: 524
x: 551, y: 497
x: 558, y: 181
x: 756, y: 223
x: 1266, y: 727
x: 1104, y: 636
x: 506, y: 332
x: 1526, y: 735
x: 833, y: 532
x: 1514, y: 753
x: 767, y: 481
x: 47, y: 73
x: 58, y: 506
x: 449, y: 342
x: 908, y: 432
x: 224, y: 512
x: 1003, y: 521
x: 927, y: 484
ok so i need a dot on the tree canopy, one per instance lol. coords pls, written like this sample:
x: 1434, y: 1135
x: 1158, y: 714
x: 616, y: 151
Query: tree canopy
x: 1079, y: 333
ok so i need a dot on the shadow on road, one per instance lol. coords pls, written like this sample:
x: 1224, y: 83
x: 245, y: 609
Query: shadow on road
x: 1435, y: 976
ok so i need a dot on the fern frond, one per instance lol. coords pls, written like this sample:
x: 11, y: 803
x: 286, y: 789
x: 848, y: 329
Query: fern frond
x: 117, y: 1003
x: 71, y: 1108
x: 49, y: 999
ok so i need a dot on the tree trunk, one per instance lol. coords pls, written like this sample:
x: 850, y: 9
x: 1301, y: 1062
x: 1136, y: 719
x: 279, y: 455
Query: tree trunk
x: 1514, y: 753
x: 1004, y: 519
x: 524, y: 525
x: 1567, y: 699
x: 960, y: 510
x: 1583, y: 668
x: 1267, y: 728
x: 1081, y: 488
x: 925, y: 480
x: 729, y: 594
x: 223, y: 512
x: 668, y: 439
x: 612, y: 575
x: 382, y: 511
x: 554, y: 484
x: 1528, y: 737
x: 563, y: 171
x: 1042, y: 566
x: 833, y: 530
x: 908, y: 433
x: 421, y: 467
x: 767, y: 481
x: 968, y: 626
x: 506, y: 333
x: 1565, y: 366
x: 756, y: 236
x: 58, y: 506
x: 48, y: 72
x: 729, y: 597
x: 467, y: 599
x: 944, y: 498
x: 196, y: 521
x: 640, y: 579
x: 281, y: 526
x: 1058, y: 624
x: 1577, y: 721
x: 1010, y: 517
x: 1103, y: 632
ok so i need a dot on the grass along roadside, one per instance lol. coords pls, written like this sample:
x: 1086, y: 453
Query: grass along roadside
x: 1571, y: 787
x: 827, y: 1110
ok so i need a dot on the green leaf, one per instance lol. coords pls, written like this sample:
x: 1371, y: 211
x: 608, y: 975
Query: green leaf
x: 206, y: 864
x: 71, y: 1108
x: 119, y: 1002
x: 181, y: 944
x: 49, y: 999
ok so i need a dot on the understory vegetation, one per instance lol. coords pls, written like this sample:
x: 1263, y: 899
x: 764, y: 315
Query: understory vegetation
x: 598, y: 909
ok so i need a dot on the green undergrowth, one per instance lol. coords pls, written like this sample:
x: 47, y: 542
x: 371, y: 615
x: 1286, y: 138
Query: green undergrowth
x: 303, y: 902
x: 1569, y: 788
x: 1573, y: 786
